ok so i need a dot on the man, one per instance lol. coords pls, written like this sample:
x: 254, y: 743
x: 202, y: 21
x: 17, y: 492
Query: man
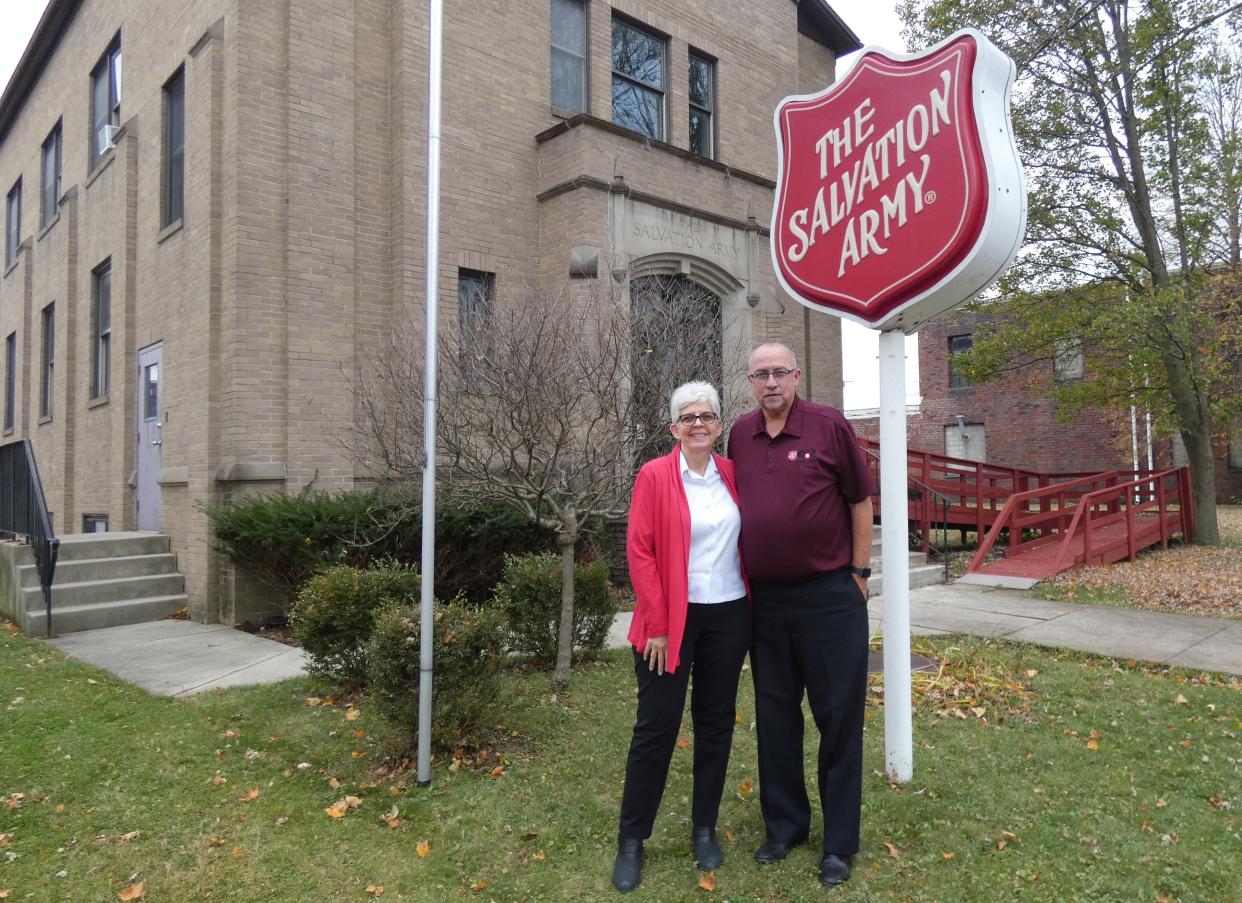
x: 805, y: 496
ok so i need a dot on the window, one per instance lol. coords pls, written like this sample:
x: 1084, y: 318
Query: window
x: 958, y: 344
x: 94, y: 523
x: 569, y: 45
x: 13, y: 224
x: 702, y: 104
x: 637, y: 79
x: 10, y: 379
x: 1067, y: 362
x: 476, y: 292
x: 174, y: 148
x: 1235, y: 445
x: 50, y: 195
x: 49, y: 360
x: 101, y: 329
x: 105, y: 101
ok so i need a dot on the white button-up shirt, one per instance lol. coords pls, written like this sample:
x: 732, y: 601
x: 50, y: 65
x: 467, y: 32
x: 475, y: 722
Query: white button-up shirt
x: 715, y: 524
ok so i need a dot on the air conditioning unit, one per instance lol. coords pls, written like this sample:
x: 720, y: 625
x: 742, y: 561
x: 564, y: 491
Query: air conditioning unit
x: 105, y: 138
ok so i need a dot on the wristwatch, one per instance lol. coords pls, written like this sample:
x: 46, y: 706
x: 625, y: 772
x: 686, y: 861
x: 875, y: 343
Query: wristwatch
x: 865, y: 573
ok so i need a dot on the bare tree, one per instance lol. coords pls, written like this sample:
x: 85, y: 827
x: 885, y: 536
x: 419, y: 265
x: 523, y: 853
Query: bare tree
x: 548, y: 404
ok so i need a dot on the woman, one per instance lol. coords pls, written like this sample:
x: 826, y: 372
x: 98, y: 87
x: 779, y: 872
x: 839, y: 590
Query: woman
x: 690, y: 617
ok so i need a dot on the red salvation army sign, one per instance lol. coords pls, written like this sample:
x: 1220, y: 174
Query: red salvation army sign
x: 900, y: 192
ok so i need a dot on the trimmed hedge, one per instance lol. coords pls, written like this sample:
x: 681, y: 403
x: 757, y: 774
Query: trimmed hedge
x: 334, y: 615
x: 283, y: 539
x: 530, y: 597
x: 468, y: 658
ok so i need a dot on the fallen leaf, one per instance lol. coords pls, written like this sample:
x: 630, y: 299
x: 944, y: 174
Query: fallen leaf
x: 214, y: 841
x: 280, y: 821
x: 375, y: 890
x: 313, y: 701
x: 683, y: 742
x: 1160, y: 804
x: 4, y: 892
x: 126, y: 838
x: 252, y: 754
x: 1031, y: 672
x: 1181, y: 700
x: 392, y: 818
x: 744, y: 788
x: 238, y: 853
x: 133, y: 892
x: 538, y: 855
x: 893, y: 850
x: 251, y: 794
x: 230, y: 734
x: 357, y: 754
x: 91, y: 680
x: 219, y: 780
x: 352, y: 715
x: 948, y: 856
x: 478, y: 886
x: 497, y: 772
x: 334, y: 783
x: 337, y: 810
x: 707, y: 881
x: 1093, y: 744
x: 529, y: 836
x: 728, y: 835
x: 422, y: 848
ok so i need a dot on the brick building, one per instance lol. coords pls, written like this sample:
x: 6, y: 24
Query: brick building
x: 1008, y: 422
x: 215, y: 206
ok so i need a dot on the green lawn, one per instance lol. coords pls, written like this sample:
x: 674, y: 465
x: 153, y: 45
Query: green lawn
x: 1010, y: 802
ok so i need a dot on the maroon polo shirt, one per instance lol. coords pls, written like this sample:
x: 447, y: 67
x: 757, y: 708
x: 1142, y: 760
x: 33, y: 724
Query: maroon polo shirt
x: 795, y: 491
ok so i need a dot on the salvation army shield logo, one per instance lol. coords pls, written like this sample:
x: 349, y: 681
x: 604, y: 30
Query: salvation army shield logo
x: 899, y: 193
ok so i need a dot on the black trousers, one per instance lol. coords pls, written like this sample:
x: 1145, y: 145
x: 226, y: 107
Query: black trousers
x: 810, y: 637
x: 712, y: 649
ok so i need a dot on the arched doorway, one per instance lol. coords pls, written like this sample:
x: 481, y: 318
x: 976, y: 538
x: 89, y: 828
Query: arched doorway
x: 676, y: 336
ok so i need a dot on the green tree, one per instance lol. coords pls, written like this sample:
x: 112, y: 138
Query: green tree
x: 1124, y: 175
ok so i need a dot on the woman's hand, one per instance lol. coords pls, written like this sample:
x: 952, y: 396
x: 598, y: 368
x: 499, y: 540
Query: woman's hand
x: 656, y: 653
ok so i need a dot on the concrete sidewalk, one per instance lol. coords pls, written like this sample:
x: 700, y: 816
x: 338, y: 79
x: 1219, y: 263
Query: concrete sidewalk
x: 179, y: 658
x: 1186, y: 641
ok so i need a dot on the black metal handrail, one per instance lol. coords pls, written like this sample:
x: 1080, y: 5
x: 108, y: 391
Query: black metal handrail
x: 24, y: 514
x: 936, y: 498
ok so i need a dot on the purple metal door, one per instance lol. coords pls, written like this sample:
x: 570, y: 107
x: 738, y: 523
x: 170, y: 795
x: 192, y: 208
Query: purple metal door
x: 150, y: 402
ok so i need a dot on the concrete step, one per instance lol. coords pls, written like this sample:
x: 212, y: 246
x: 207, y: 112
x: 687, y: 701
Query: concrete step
x: 921, y: 575
x: 79, y: 546
x: 915, y: 560
x: 102, y: 569
x: 116, y: 589
x: 95, y: 615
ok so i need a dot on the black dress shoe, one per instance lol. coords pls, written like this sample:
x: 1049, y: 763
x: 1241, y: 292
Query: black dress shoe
x: 706, y: 849
x: 627, y: 871
x: 771, y: 851
x: 834, y: 869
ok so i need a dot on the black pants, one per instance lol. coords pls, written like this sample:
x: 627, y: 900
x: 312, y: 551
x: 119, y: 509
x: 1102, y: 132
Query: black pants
x: 811, y: 637
x: 712, y: 649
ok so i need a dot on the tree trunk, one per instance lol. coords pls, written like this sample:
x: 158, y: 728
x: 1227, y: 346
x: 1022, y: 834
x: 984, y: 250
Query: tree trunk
x: 565, y: 647
x: 1195, y: 427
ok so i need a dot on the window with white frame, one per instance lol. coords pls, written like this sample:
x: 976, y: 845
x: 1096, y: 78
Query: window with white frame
x: 1067, y: 360
x: 101, y: 330
x: 702, y: 104
x: 105, y: 101
x: 569, y: 55
x: 638, y: 85
x: 46, y: 384
x: 50, y: 185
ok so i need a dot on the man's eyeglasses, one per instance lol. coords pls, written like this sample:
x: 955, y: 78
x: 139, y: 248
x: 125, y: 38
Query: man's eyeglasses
x: 707, y: 418
x: 761, y: 376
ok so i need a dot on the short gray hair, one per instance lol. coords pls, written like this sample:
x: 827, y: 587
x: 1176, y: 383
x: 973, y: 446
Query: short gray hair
x: 689, y: 393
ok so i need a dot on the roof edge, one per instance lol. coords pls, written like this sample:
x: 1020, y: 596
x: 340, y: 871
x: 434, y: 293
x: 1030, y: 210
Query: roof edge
x: 47, y: 34
x: 820, y: 22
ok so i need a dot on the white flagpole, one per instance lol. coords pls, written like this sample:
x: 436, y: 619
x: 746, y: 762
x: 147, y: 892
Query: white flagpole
x: 895, y: 549
x: 426, y: 608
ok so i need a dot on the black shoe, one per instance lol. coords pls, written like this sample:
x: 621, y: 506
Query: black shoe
x: 771, y: 851
x: 706, y: 849
x: 834, y: 869
x: 627, y: 871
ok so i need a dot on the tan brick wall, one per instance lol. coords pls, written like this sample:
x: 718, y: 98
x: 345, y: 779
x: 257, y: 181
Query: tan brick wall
x: 304, y: 235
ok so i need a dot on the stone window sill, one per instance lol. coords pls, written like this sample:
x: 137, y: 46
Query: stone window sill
x: 171, y: 229
x: 98, y: 402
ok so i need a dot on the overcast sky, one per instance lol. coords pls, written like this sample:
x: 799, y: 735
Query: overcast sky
x: 874, y: 21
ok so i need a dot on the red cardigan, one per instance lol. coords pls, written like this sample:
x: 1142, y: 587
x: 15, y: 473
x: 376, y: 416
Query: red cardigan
x: 658, y: 548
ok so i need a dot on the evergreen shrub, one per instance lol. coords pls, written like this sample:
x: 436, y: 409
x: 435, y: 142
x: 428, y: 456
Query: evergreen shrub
x: 530, y: 597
